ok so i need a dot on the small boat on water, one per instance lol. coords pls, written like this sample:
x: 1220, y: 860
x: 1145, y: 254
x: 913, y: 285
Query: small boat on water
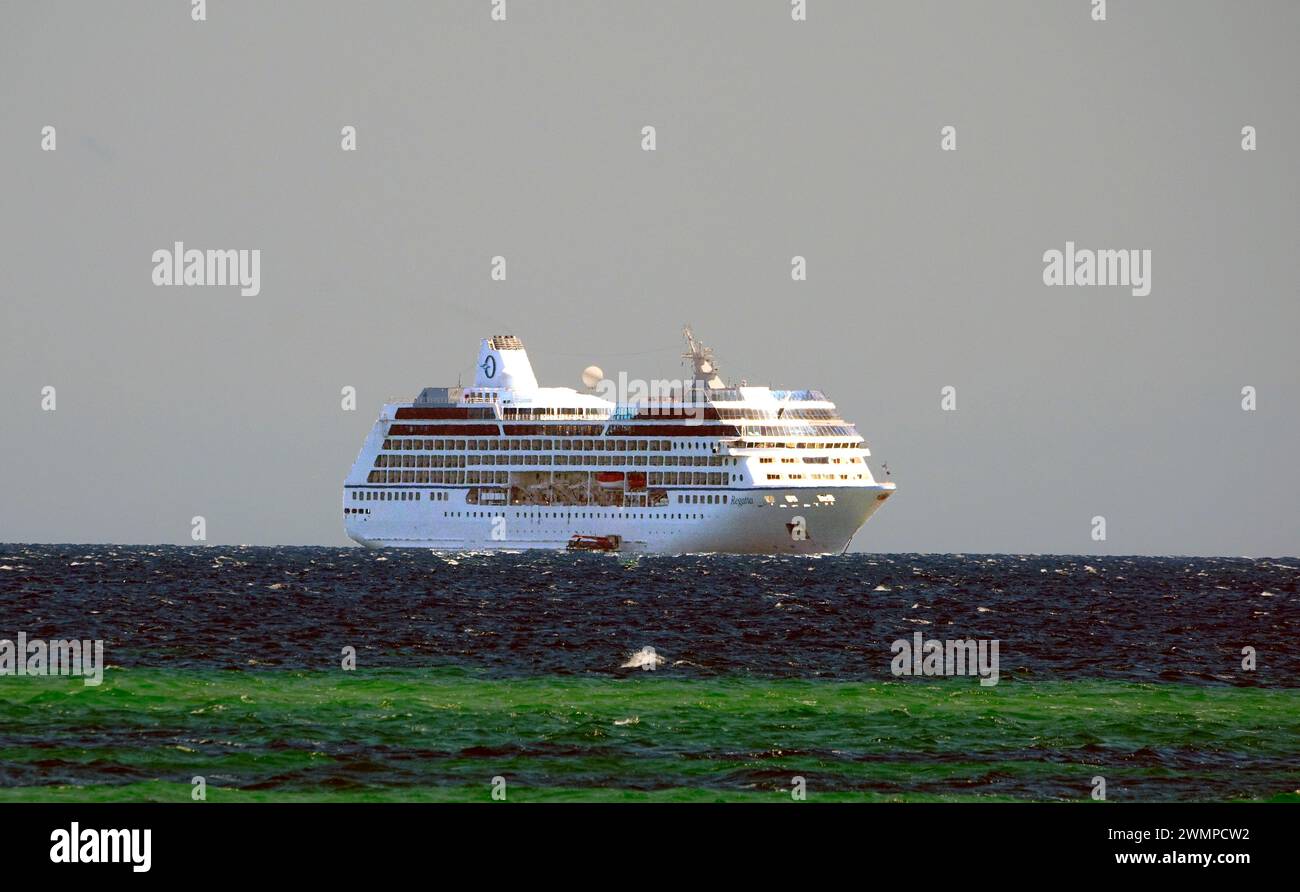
x: 594, y: 543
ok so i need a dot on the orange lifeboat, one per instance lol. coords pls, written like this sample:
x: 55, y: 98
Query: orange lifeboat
x: 609, y: 478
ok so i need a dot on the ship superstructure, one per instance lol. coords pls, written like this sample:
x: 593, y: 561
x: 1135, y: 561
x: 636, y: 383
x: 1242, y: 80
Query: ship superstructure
x: 689, y: 466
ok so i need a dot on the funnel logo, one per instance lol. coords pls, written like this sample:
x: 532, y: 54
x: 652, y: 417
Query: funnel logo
x: 489, y: 366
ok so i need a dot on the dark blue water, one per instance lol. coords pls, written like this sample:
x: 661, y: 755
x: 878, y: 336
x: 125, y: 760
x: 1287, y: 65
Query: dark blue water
x: 1133, y: 618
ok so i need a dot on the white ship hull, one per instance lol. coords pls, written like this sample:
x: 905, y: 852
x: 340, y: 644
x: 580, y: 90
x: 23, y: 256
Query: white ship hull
x: 744, y: 525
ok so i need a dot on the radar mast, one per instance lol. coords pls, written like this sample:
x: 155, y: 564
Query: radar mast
x: 704, y: 366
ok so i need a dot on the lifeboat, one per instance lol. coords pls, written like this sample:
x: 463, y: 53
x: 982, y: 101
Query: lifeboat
x: 609, y: 478
x: 636, y: 480
x: 594, y: 543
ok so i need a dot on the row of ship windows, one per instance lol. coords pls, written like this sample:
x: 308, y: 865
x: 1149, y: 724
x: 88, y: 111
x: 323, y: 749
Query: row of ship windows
x: 597, y: 444
x: 814, y: 477
x: 813, y: 460
x: 677, y: 411
x: 654, y: 478
x: 367, y: 495
x: 519, y: 445
x: 540, y: 413
x: 404, y: 496
x: 577, y: 515
x: 514, y: 414
x: 799, y: 430
x: 384, y: 460
x: 760, y: 415
x: 793, y: 444
x: 434, y: 496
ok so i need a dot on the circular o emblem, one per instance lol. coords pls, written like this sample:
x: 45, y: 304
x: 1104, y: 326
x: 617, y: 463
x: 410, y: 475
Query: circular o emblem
x: 489, y: 366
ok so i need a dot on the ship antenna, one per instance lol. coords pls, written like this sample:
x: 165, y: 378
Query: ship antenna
x: 704, y: 366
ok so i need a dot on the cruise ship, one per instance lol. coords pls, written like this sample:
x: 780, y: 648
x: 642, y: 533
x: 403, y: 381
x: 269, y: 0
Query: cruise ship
x: 673, y: 467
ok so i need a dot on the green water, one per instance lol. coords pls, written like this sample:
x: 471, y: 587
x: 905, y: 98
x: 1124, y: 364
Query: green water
x: 439, y: 735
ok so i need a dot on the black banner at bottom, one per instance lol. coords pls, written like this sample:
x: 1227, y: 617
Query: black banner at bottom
x: 335, y: 841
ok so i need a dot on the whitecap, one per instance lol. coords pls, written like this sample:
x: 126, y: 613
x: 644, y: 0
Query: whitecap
x: 645, y: 658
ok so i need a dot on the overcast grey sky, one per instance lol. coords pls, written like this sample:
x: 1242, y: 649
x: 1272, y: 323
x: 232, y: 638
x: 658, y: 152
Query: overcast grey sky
x: 774, y: 138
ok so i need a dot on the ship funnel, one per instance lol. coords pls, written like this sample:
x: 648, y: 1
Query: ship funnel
x: 503, y: 363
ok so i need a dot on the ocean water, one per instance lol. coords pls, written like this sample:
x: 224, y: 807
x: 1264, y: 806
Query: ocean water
x: 225, y: 663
